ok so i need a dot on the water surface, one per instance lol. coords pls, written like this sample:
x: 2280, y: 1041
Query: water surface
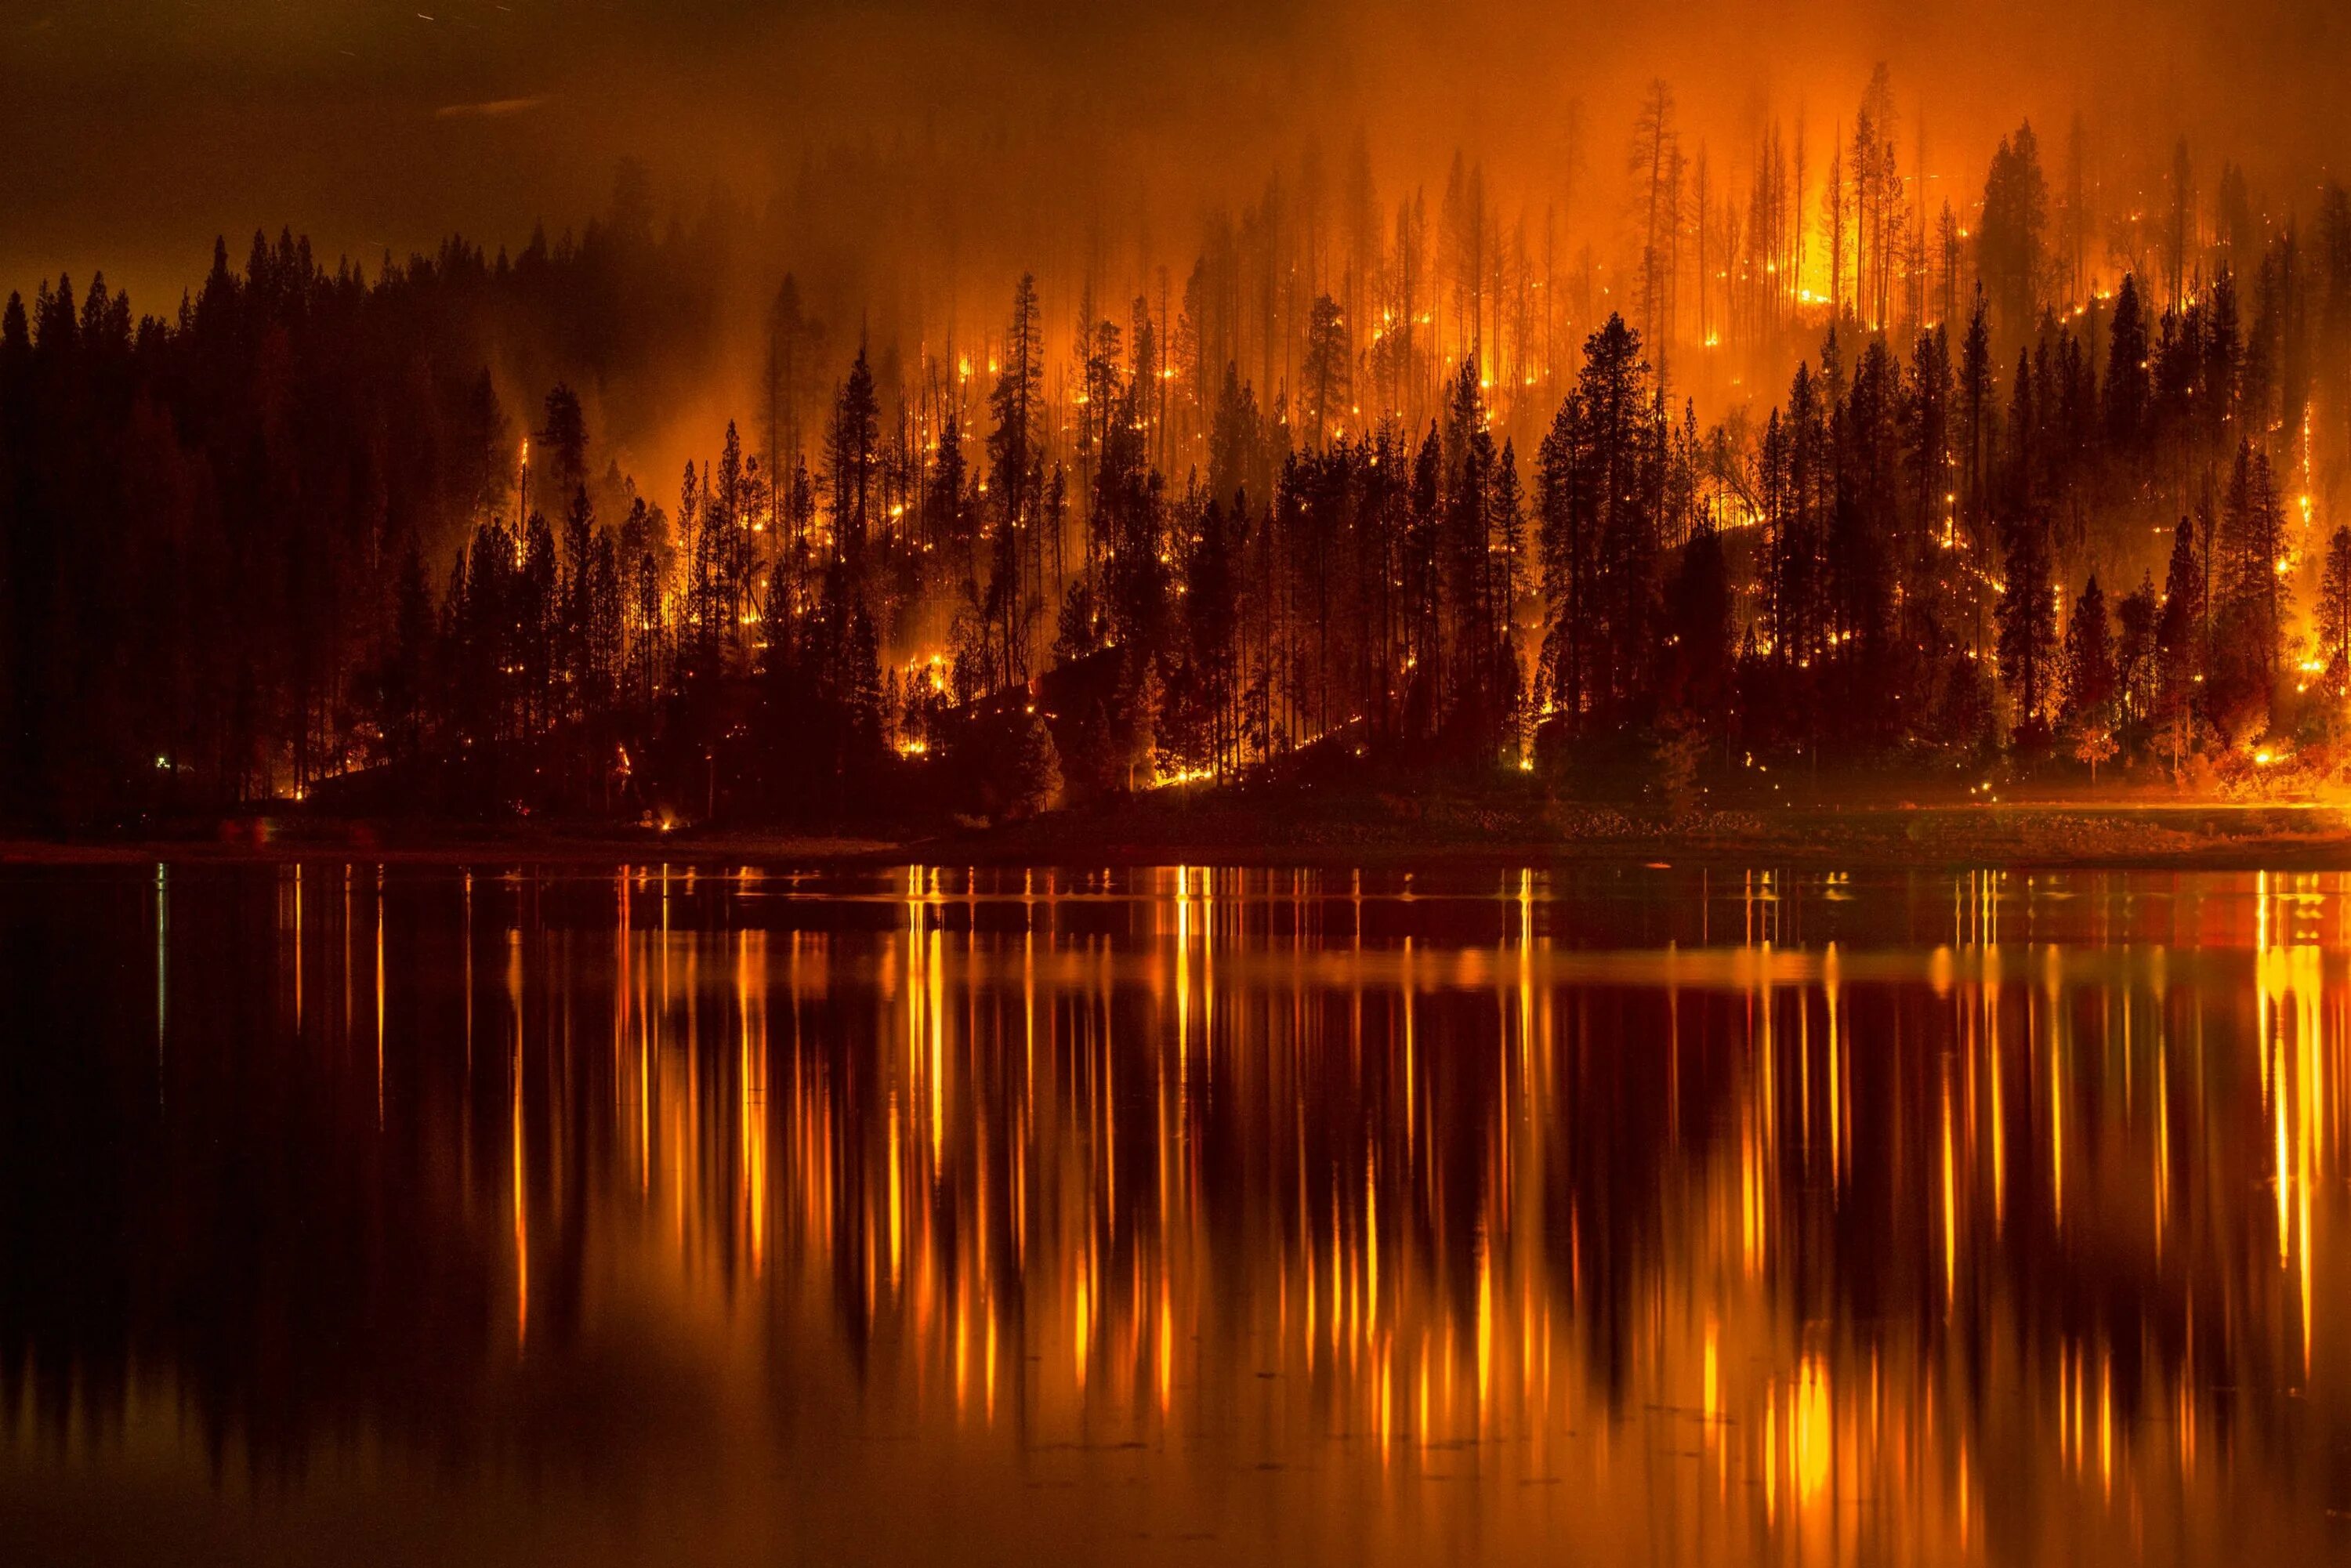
x: 355, y: 1214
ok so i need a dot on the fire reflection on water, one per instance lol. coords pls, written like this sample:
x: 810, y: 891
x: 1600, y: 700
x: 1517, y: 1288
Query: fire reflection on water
x: 1943, y: 1218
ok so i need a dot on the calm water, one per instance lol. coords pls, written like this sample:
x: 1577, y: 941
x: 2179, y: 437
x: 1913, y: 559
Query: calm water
x: 353, y: 1215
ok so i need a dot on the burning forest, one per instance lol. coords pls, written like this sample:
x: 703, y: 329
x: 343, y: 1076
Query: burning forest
x: 1094, y: 781
x: 1678, y: 463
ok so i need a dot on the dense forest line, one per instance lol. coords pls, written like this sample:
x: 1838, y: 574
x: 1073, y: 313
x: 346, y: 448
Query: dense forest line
x: 293, y: 543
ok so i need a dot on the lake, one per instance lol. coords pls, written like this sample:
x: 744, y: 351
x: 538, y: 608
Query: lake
x: 358, y: 1213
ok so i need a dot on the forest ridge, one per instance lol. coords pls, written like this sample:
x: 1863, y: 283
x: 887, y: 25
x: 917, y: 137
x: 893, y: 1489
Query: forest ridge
x: 1365, y: 498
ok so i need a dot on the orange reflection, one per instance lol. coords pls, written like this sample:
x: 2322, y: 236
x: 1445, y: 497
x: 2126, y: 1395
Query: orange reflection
x: 1461, y: 1222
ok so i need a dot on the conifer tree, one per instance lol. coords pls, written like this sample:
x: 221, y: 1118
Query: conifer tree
x: 2333, y: 608
x: 852, y: 461
x: 1327, y: 370
x: 2128, y: 365
x: 2028, y: 629
x: 2089, y: 662
x: 2011, y: 253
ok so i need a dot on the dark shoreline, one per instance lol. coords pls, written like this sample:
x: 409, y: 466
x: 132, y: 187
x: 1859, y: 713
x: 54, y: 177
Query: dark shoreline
x: 1384, y: 831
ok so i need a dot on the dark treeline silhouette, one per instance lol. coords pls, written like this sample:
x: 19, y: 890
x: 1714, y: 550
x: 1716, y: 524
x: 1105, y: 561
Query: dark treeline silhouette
x: 220, y: 533
x: 290, y: 543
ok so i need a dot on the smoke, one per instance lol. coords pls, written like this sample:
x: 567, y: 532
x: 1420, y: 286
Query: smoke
x: 910, y: 157
x: 139, y: 130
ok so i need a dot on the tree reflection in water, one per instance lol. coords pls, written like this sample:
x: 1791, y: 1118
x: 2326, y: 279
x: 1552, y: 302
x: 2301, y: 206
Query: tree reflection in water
x: 1683, y: 1216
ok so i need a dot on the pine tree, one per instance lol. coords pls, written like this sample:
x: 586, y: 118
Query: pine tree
x: 562, y: 445
x: 1326, y: 372
x: 1015, y: 403
x: 2009, y: 245
x: 1014, y: 451
x: 2089, y: 662
x: 2250, y: 561
x: 1976, y: 393
x: 2137, y: 665
x: 2334, y: 610
x: 1600, y: 481
x: 2028, y: 629
x: 2128, y: 359
x: 2179, y: 634
x: 852, y: 460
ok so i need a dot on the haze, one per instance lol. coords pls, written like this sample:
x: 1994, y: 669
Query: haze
x: 139, y: 130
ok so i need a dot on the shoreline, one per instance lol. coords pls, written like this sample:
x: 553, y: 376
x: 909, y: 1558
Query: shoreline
x: 1383, y: 831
